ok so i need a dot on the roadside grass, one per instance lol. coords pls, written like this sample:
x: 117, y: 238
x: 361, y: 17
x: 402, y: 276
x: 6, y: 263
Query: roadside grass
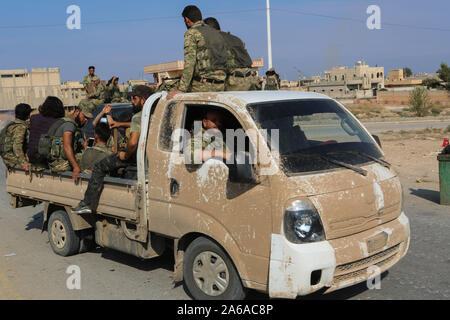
x: 372, y: 110
x: 427, y: 134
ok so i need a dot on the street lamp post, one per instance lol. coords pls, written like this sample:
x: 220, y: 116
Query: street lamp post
x: 269, y: 37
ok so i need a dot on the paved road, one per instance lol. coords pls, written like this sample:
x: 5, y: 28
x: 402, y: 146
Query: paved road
x: 35, y: 272
x: 378, y: 127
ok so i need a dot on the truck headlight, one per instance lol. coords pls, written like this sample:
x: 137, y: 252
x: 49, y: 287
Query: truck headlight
x: 302, y: 223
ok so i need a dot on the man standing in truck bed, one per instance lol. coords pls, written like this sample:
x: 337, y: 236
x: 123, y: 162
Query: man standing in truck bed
x: 241, y: 77
x: 205, y: 56
x: 118, y: 160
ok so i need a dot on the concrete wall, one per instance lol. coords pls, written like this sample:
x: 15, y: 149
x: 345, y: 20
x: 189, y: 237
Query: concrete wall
x: 402, y: 97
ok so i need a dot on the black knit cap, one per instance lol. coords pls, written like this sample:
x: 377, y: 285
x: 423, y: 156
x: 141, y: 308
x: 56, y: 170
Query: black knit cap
x: 142, y: 92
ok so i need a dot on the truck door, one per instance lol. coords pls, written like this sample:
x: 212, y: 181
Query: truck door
x: 203, y: 195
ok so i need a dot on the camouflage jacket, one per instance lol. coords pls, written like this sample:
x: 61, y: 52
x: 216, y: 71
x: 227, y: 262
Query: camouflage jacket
x: 87, y: 80
x: 113, y: 92
x: 98, y: 92
x: 207, y: 141
x: 15, y: 142
x: 93, y: 155
x: 197, y: 59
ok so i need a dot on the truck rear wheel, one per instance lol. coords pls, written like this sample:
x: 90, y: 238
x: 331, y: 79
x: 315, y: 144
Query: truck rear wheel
x: 63, y: 239
x: 209, y: 273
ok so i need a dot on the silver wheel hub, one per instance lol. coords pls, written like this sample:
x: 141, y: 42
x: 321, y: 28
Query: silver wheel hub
x: 59, y: 235
x: 211, y: 273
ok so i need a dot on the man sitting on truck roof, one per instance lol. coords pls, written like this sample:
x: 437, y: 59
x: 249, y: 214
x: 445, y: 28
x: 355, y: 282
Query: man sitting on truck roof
x: 115, y: 161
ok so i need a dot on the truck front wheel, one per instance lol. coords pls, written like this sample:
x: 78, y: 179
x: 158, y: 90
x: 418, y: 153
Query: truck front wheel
x: 63, y: 239
x: 209, y: 273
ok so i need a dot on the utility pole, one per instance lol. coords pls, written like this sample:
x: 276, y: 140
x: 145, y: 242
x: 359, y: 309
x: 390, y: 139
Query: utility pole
x: 269, y: 36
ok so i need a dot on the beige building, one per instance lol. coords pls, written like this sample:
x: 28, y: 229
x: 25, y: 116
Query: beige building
x: 22, y: 86
x: 173, y: 70
x: 359, y: 81
x: 396, y: 75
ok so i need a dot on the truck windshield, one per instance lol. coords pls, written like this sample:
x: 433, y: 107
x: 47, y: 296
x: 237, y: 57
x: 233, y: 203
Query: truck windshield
x: 313, y: 132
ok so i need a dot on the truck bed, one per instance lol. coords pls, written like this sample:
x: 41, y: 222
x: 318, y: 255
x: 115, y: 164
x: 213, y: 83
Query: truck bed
x: 118, y: 198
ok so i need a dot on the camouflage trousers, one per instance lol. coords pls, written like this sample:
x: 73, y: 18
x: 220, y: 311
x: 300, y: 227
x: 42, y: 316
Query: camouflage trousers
x: 62, y: 165
x: 101, y: 169
x: 204, y: 86
x: 234, y: 83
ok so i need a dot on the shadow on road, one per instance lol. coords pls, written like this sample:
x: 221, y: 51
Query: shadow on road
x: 166, y: 261
x: 430, y: 195
x: 37, y: 221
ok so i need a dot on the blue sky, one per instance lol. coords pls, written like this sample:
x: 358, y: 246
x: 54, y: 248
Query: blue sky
x: 309, y: 42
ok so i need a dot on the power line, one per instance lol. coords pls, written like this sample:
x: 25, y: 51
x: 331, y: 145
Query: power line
x: 359, y: 20
x: 232, y: 12
x: 127, y: 20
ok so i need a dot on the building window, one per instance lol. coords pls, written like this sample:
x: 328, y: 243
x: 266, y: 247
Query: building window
x: 335, y: 78
x: 371, y: 75
x: 7, y: 75
x: 343, y: 77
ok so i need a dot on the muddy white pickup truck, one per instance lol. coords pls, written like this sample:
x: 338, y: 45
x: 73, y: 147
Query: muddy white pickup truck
x: 307, y: 203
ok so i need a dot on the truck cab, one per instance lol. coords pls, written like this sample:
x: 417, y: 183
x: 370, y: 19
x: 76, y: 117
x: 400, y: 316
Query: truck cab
x: 306, y: 201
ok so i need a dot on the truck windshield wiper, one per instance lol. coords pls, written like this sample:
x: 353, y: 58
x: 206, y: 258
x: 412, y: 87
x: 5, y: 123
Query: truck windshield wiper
x: 363, y: 154
x: 330, y: 160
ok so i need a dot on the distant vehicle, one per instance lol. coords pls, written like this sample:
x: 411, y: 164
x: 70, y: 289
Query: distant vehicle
x: 323, y: 210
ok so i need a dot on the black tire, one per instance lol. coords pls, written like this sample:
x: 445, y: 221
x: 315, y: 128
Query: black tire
x: 87, y: 240
x: 63, y: 239
x: 215, y: 255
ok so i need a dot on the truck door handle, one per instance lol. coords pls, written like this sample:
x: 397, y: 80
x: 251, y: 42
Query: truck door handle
x: 174, y: 187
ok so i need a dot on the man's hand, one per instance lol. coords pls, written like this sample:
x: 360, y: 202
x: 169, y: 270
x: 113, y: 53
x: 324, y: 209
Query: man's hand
x: 107, y: 109
x: 122, y: 156
x: 26, y: 166
x: 173, y: 94
x: 76, y: 173
x: 114, y: 124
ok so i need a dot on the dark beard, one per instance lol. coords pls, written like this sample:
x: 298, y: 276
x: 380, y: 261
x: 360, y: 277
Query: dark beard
x: 137, y: 108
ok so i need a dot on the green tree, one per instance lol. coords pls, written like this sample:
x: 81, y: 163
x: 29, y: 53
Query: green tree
x: 431, y: 83
x: 407, y: 72
x: 419, y: 101
x: 444, y: 74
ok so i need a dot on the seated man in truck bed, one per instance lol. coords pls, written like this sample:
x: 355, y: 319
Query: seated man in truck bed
x: 13, y: 139
x: 115, y: 161
x: 99, y: 151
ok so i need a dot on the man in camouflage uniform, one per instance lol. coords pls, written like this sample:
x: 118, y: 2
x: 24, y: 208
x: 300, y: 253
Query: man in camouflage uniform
x: 88, y: 79
x: 113, y: 93
x: 205, y: 56
x: 67, y: 145
x: 209, y: 141
x: 241, y: 76
x: 272, y: 80
x: 118, y: 160
x: 99, y: 151
x: 15, y: 140
x: 97, y: 95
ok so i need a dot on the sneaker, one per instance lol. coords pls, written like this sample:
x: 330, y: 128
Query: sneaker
x: 81, y: 209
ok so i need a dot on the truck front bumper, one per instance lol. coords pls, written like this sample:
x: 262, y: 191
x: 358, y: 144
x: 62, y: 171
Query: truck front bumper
x: 300, y: 269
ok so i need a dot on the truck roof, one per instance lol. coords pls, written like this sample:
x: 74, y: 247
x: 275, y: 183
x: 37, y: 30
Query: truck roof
x: 248, y: 97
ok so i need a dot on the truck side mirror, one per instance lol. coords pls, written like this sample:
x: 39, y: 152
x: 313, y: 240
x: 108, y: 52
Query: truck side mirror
x: 377, y: 139
x: 241, y: 171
